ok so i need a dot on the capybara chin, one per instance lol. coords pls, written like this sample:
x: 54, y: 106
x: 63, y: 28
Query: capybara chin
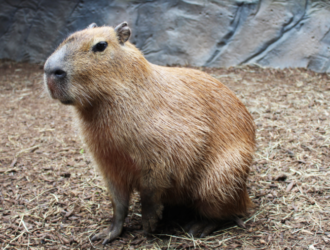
x: 176, y: 135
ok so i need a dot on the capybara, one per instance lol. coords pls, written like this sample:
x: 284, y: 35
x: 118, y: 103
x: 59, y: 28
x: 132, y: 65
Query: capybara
x: 176, y: 135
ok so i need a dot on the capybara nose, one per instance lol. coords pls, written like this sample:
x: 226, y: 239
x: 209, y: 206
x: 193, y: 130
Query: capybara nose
x: 54, y: 67
x: 55, y: 74
x: 59, y: 74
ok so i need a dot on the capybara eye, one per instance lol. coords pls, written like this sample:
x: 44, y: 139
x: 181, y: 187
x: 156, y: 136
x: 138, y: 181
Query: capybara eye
x: 99, y: 47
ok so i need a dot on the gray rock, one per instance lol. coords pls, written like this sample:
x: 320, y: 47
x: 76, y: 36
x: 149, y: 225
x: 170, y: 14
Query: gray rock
x: 214, y: 33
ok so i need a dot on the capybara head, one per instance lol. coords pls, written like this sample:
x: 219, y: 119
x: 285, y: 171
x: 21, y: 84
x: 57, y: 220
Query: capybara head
x: 92, y: 63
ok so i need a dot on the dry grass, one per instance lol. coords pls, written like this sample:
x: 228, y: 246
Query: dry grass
x: 52, y: 198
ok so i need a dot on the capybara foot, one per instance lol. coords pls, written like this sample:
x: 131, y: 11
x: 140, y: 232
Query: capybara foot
x: 107, y: 235
x: 201, y: 228
x: 151, y: 216
x: 239, y: 222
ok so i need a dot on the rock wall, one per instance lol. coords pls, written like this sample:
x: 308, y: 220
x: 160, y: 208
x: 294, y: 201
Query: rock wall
x: 215, y: 33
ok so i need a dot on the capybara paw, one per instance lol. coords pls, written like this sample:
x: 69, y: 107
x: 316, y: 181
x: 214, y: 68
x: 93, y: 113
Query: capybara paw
x: 149, y: 225
x: 151, y: 217
x: 107, y: 235
x: 101, y: 235
x: 201, y: 228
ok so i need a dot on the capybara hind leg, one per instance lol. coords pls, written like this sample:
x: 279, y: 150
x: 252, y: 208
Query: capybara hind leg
x: 201, y: 228
x: 120, y: 209
x: 152, y: 210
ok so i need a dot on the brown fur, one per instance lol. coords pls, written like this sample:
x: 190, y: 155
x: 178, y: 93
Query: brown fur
x: 175, y: 131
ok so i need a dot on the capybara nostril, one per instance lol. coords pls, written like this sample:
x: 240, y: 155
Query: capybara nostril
x: 60, y: 74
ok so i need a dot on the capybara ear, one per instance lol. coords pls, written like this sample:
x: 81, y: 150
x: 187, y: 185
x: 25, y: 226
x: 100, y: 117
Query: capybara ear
x: 91, y: 26
x: 123, y: 32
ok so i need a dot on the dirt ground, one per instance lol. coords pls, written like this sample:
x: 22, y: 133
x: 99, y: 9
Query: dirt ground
x: 51, y: 197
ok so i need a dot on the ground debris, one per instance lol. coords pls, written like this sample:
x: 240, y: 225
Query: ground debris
x: 281, y: 177
x: 52, y: 198
x: 290, y: 186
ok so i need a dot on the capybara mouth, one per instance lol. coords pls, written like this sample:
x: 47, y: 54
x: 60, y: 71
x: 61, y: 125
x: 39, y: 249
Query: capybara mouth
x: 57, y: 91
x: 51, y: 85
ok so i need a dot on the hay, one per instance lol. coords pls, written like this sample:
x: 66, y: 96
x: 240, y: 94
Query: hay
x: 51, y: 197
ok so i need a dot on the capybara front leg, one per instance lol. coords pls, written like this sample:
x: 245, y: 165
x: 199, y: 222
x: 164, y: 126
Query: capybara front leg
x: 120, y: 202
x: 152, y: 210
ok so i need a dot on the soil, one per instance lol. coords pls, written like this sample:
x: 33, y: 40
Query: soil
x: 51, y: 196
